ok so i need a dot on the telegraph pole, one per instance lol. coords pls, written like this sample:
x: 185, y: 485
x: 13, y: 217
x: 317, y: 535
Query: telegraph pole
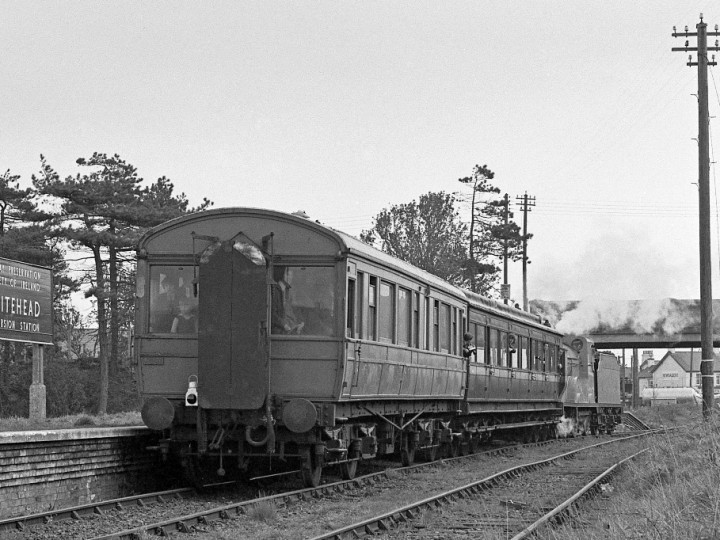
x: 525, y: 204
x: 707, y: 361
x: 506, y: 286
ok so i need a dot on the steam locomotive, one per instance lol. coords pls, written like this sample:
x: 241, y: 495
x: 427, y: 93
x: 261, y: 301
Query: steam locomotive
x: 265, y: 337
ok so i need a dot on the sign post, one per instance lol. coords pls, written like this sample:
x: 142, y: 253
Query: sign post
x: 26, y: 316
x: 37, y: 388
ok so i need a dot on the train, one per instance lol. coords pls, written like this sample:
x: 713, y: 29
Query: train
x: 264, y: 338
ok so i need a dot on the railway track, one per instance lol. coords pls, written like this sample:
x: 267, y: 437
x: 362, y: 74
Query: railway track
x: 508, y: 504
x: 78, y: 512
x: 185, y: 510
x: 93, y: 518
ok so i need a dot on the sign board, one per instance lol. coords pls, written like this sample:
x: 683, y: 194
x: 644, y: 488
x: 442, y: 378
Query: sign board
x: 25, y: 302
x: 505, y: 291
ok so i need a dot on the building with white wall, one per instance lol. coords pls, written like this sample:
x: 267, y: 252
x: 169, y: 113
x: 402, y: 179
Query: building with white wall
x: 677, y: 370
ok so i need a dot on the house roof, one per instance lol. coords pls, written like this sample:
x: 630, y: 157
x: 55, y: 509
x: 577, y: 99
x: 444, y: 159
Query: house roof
x: 683, y: 359
x: 647, y: 372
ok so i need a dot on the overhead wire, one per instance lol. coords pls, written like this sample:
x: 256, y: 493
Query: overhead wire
x: 713, y: 163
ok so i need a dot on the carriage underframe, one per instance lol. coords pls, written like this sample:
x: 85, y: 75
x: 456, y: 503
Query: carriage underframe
x: 215, y: 445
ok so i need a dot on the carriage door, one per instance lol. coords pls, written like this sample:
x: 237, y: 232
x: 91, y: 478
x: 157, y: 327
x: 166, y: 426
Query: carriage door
x: 232, y: 362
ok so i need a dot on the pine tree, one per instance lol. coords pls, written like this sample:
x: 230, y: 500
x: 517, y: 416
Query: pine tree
x: 489, y: 233
x: 104, y: 212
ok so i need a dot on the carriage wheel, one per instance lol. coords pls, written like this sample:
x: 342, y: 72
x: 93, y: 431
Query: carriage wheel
x: 195, y: 469
x: 527, y: 436
x: 464, y: 446
x: 450, y: 449
x: 349, y: 468
x: 311, y: 469
x: 407, y: 451
x: 407, y: 456
x: 455, y: 448
x: 430, y: 453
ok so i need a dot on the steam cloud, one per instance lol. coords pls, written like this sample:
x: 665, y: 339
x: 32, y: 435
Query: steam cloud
x: 666, y: 316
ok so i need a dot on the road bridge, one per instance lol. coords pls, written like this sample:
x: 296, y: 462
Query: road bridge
x: 620, y: 340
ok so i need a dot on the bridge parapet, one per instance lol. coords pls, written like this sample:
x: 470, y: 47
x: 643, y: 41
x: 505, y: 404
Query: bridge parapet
x: 652, y: 341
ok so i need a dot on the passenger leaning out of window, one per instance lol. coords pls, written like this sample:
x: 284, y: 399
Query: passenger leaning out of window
x: 468, y: 348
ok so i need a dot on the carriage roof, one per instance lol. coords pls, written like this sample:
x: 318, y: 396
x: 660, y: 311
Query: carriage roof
x: 347, y: 245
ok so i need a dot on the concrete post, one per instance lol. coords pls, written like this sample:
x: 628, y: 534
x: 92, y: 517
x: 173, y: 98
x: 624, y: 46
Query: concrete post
x: 37, y: 388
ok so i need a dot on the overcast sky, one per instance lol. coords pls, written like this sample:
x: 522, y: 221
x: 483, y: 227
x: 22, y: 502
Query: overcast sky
x: 342, y: 109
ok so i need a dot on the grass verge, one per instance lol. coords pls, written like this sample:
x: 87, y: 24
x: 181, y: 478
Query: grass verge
x: 673, y: 491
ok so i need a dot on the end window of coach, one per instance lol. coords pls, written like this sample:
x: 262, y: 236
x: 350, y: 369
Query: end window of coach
x: 303, y: 301
x: 172, y: 297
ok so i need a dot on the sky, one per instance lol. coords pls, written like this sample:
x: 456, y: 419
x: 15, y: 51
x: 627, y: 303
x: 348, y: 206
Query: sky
x: 342, y: 109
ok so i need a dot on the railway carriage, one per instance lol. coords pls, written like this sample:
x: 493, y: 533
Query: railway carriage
x: 313, y: 348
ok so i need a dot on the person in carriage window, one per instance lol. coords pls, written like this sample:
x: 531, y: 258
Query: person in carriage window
x: 186, y: 321
x: 165, y: 307
x: 284, y: 320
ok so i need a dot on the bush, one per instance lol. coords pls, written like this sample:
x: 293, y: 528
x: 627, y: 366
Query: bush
x: 15, y: 380
x: 71, y: 388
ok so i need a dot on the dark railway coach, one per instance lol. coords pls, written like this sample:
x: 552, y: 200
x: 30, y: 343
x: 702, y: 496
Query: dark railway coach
x: 263, y: 337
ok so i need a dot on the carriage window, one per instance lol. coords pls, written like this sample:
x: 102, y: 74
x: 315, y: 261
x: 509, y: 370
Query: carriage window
x: 372, y: 308
x: 502, y: 349
x: 386, y: 322
x: 416, y: 320
x: 303, y: 300
x: 494, y: 345
x: 552, y: 363
x: 360, y: 304
x: 350, y: 323
x: 404, y: 316
x: 444, y: 327
x: 436, y: 325
x: 173, y: 303
x: 427, y: 315
x: 537, y: 354
x: 454, y: 331
x: 530, y: 351
x: 479, y: 333
x: 521, y: 356
x: 512, y: 347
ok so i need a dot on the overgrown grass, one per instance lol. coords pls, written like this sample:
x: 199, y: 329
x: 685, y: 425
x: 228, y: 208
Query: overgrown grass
x: 673, y: 492
x: 263, y: 511
x: 669, y: 415
x: 72, y: 421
